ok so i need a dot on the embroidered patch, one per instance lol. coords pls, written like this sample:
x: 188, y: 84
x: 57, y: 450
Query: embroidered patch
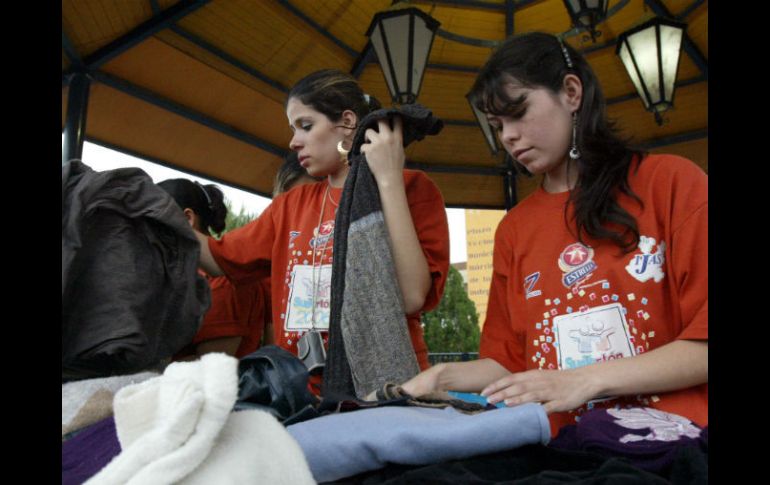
x: 292, y: 236
x: 663, y: 426
x: 648, y: 264
x: 323, y: 235
x: 529, y: 285
x: 576, y: 262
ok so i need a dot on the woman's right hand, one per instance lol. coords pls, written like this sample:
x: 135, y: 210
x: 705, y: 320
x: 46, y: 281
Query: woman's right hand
x: 424, y: 382
x: 470, y: 376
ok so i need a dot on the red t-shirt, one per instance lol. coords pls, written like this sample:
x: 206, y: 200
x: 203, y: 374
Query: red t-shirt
x: 236, y: 311
x: 283, y: 237
x: 555, y: 303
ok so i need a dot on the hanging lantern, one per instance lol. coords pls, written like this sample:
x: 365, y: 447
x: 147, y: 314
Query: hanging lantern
x: 402, y: 39
x: 587, y: 14
x: 651, y: 54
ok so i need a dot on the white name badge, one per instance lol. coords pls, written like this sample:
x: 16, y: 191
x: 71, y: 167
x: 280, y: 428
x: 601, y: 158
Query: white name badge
x: 596, y: 335
x: 299, y: 308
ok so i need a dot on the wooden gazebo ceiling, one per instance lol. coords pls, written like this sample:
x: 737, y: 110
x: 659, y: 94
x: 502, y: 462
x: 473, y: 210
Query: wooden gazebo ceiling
x: 200, y: 85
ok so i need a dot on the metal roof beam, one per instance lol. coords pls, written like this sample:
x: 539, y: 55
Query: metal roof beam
x: 317, y: 27
x: 185, y: 112
x: 143, y: 31
x: 634, y: 95
x: 674, y: 139
x: 479, y: 4
x: 170, y: 165
x: 228, y: 58
x: 510, y: 10
x: 365, y: 57
x: 687, y: 44
x: 457, y: 169
x: 77, y: 111
x: 251, y: 190
x: 468, y: 123
x: 467, y: 40
x: 69, y: 49
x: 361, y: 63
x: 451, y: 67
x: 687, y: 11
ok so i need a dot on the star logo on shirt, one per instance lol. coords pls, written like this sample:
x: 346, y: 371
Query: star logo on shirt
x: 327, y: 228
x: 576, y: 262
x: 575, y: 255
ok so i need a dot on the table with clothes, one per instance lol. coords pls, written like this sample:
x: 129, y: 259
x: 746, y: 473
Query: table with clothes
x: 220, y: 420
x: 128, y: 419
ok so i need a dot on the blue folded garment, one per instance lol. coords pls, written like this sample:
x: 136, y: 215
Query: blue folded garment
x: 345, y: 444
x: 474, y: 398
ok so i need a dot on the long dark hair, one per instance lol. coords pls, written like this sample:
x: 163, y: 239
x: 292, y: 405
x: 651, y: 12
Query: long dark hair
x: 207, y: 201
x: 331, y: 92
x: 289, y: 173
x: 536, y: 60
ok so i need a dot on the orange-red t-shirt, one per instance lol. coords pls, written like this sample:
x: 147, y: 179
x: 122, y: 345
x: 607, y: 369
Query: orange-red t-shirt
x: 235, y: 311
x: 284, y: 238
x: 556, y: 303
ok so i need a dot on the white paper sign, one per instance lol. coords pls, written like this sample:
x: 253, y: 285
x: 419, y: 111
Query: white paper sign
x: 596, y: 335
x: 299, y: 308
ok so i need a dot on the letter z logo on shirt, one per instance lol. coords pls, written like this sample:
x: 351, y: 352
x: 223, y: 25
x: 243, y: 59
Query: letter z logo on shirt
x: 529, y: 285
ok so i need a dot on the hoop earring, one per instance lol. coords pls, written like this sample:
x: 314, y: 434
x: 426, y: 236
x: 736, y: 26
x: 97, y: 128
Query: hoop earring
x: 574, y: 153
x: 343, y: 153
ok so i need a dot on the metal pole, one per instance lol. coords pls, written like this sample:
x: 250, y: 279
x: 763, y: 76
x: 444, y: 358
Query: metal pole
x: 509, y: 184
x: 510, y: 10
x: 75, y: 125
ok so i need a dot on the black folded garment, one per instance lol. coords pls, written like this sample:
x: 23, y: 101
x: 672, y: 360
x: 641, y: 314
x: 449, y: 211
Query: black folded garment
x: 131, y: 293
x: 275, y: 380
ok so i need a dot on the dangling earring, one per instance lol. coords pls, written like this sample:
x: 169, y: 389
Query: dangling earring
x: 343, y: 153
x: 574, y: 153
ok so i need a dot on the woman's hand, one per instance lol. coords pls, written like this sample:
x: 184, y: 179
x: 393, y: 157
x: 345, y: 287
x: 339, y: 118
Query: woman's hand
x: 385, y: 151
x: 470, y: 376
x: 424, y: 382
x: 557, y: 390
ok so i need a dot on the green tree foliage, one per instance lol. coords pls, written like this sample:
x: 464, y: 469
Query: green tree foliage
x: 233, y: 220
x: 453, y: 326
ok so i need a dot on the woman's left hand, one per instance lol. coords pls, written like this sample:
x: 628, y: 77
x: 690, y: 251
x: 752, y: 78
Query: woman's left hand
x: 557, y: 390
x: 385, y: 151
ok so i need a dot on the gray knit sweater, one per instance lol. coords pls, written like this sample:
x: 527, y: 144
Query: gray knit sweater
x: 369, y: 343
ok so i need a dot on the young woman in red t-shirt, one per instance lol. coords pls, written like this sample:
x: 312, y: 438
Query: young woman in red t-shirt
x: 605, y: 264
x: 292, y: 239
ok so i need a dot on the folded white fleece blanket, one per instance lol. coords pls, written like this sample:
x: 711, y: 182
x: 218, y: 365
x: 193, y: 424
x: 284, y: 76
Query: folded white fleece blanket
x: 178, y: 428
x: 253, y: 447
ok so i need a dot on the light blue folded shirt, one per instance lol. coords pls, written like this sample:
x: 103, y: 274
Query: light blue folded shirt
x: 473, y: 397
x: 345, y: 444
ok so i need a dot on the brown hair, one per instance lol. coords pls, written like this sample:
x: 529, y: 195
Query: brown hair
x: 331, y: 92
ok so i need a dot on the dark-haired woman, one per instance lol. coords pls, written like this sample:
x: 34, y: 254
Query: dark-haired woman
x: 235, y: 322
x: 599, y: 292
x: 293, y: 239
